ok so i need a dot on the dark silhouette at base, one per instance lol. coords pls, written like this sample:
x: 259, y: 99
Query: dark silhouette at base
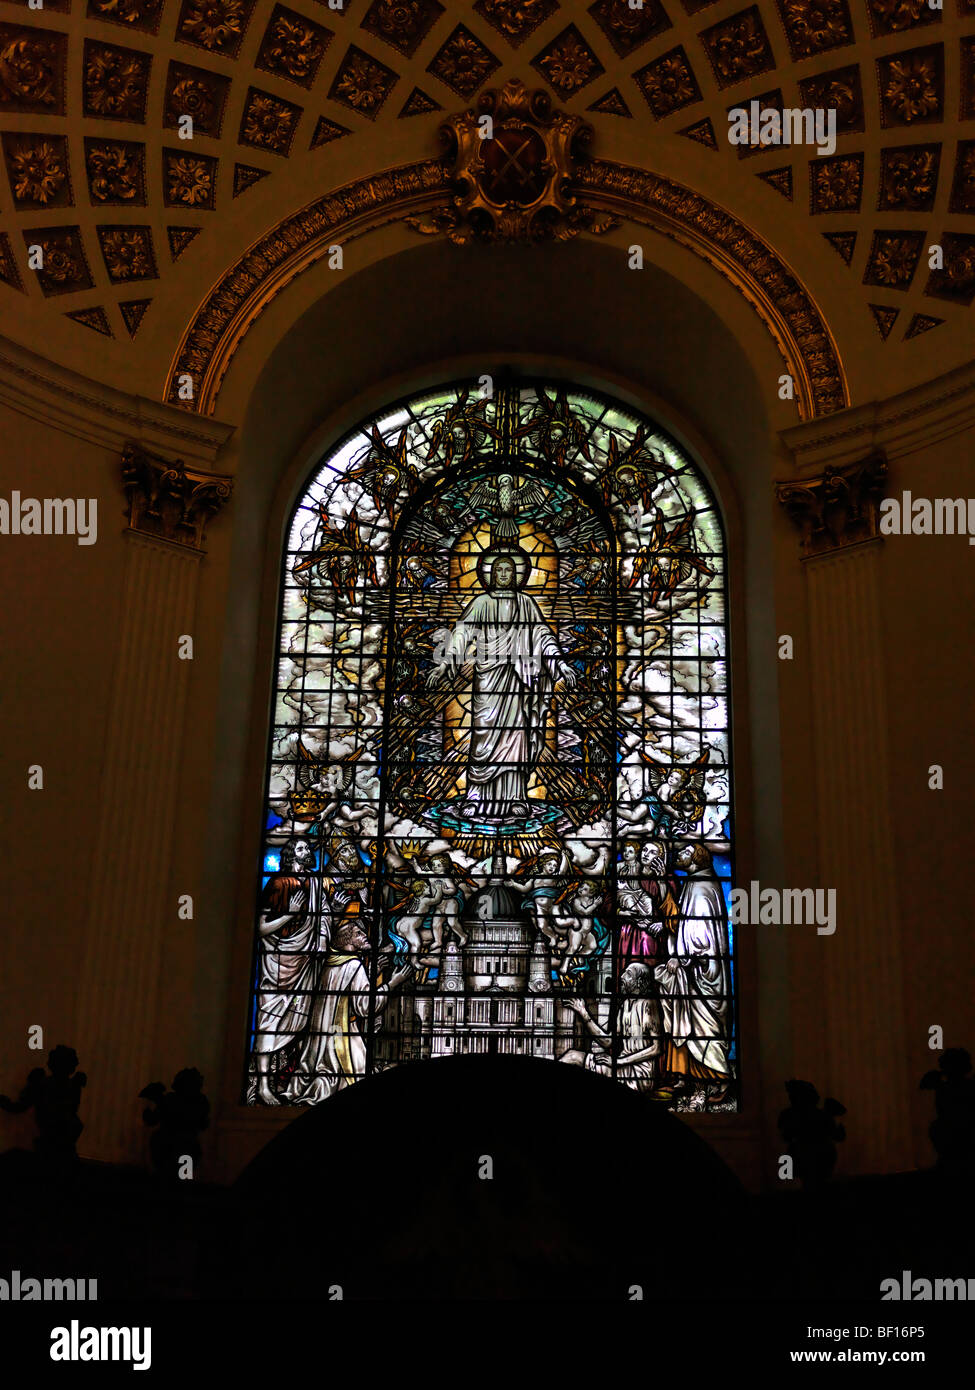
x: 811, y: 1134
x: 55, y: 1099
x: 383, y: 1192
x: 179, y: 1117
x: 953, y: 1129
x: 481, y: 1177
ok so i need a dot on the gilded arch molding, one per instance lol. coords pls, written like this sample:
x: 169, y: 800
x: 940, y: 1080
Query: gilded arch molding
x: 774, y: 291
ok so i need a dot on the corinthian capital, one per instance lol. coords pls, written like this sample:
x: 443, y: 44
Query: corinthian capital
x: 169, y: 500
x: 839, y: 508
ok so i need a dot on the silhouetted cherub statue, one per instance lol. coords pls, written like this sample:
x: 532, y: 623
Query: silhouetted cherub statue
x: 55, y: 1100
x: 953, y: 1128
x: 811, y: 1134
x: 181, y: 1115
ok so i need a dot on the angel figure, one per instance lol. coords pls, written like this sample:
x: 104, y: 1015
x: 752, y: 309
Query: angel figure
x: 445, y: 881
x: 416, y: 572
x: 666, y: 560
x: 677, y: 799
x: 54, y: 1095
x: 385, y: 470
x: 408, y: 914
x: 409, y: 791
x: 541, y: 879
x: 583, y: 802
x: 459, y: 431
x: 588, y: 572
x: 433, y: 905
x: 953, y: 1129
x: 177, y: 1118
x: 504, y: 500
x: 323, y: 789
x: 584, y: 934
x: 571, y: 515
x: 555, y: 429
x: 632, y: 475
x: 341, y: 557
x: 442, y: 516
x: 811, y: 1133
x: 408, y: 711
x: 414, y: 646
x: 589, y: 643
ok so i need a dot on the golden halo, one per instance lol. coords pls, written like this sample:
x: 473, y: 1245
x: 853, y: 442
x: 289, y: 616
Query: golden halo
x: 501, y: 550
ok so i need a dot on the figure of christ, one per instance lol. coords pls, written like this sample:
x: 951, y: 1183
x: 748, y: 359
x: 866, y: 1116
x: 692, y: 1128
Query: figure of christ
x: 694, y: 983
x: 517, y: 662
x: 639, y: 1032
x: 334, y: 1055
x: 290, y: 927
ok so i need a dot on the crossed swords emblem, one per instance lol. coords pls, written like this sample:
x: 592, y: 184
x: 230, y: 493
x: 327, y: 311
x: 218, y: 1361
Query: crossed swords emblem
x: 513, y: 166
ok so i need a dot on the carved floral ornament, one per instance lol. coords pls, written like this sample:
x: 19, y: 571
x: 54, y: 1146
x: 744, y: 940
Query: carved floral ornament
x: 533, y: 182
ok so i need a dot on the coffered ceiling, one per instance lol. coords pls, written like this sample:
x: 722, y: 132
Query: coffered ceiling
x: 289, y: 101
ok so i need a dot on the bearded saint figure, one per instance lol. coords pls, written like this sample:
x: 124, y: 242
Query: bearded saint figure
x: 517, y: 661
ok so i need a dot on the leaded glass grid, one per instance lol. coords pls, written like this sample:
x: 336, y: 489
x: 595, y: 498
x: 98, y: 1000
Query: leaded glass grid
x: 498, y: 810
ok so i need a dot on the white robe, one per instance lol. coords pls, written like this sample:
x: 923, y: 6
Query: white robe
x: 696, y: 998
x: 288, y: 968
x: 514, y: 653
x: 334, y: 1054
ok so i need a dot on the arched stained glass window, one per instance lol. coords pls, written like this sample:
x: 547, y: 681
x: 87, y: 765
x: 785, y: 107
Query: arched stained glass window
x: 498, y: 807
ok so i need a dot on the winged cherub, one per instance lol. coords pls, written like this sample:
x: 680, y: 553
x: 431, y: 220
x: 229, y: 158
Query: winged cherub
x: 429, y: 906
x: 541, y: 879
x: 323, y: 787
x: 577, y: 907
x: 589, y: 570
x: 678, y: 791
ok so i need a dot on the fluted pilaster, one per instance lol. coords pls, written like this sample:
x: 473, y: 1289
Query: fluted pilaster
x: 864, y: 1012
x: 131, y: 905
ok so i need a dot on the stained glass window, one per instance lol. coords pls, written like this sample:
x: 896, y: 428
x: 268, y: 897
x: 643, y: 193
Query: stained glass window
x: 498, y: 812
